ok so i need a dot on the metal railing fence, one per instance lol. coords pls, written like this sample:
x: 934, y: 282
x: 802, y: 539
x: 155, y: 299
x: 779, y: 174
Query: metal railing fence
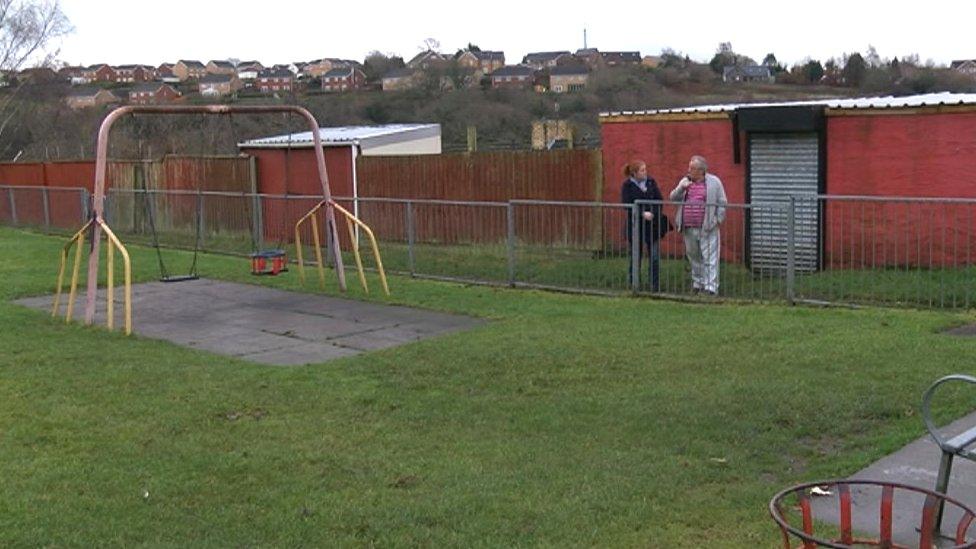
x: 818, y: 249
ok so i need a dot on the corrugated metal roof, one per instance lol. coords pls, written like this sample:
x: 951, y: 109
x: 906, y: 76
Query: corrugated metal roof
x: 887, y: 102
x: 339, y: 135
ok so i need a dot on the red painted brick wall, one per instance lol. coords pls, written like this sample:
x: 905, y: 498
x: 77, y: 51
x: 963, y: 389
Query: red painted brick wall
x: 666, y: 147
x: 911, y: 155
x: 917, y: 155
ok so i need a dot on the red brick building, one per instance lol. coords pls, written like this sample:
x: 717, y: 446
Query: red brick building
x: 153, y: 93
x: 343, y: 79
x: 917, y: 146
x: 275, y: 80
x: 513, y: 76
x: 101, y: 73
x: 134, y: 73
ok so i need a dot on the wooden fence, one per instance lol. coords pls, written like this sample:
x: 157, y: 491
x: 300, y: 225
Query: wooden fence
x: 574, y: 175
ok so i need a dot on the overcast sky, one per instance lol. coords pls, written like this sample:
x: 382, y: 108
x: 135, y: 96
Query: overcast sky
x: 129, y: 31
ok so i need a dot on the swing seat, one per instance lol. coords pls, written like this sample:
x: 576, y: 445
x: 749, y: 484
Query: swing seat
x: 269, y: 262
x: 179, y: 278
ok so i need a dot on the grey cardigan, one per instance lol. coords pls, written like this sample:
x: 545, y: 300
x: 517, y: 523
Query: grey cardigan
x: 715, y: 201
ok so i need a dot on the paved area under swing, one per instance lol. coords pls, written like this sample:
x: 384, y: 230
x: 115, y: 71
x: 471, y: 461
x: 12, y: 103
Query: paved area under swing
x: 267, y: 325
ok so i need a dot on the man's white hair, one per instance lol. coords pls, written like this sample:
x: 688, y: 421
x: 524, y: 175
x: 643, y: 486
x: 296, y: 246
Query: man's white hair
x: 699, y: 162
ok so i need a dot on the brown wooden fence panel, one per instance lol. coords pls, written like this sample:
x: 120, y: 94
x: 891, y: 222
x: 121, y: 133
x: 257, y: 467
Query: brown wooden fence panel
x: 22, y: 174
x: 567, y: 175
x: 495, y: 176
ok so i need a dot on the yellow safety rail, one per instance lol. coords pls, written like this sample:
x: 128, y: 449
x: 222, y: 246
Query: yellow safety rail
x: 350, y: 221
x: 114, y: 244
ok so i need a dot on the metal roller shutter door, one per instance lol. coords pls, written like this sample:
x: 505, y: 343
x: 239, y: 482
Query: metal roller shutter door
x: 783, y: 165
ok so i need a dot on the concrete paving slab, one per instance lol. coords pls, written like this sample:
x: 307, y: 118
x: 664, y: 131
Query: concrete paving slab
x: 916, y: 464
x: 266, y: 325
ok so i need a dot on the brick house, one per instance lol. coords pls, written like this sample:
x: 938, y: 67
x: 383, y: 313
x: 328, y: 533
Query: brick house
x: 426, y: 60
x: 965, y: 66
x: 134, y: 73
x: 164, y: 73
x: 568, y: 78
x: 317, y: 68
x: 275, y: 80
x: 485, y: 61
x: 513, y: 76
x: 218, y: 85
x: 152, y: 93
x: 81, y: 98
x: 248, y: 70
x: 746, y: 73
x: 621, y: 58
x: 221, y: 67
x: 343, y: 79
x: 401, y: 79
x: 591, y: 57
x: 189, y: 70
x: 101, y: 73
x: 544, y: 59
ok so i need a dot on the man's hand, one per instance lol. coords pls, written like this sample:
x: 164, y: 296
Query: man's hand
x: 648, y: 216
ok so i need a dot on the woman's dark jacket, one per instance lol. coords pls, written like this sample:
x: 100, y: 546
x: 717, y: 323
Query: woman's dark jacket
x: 630, y: 193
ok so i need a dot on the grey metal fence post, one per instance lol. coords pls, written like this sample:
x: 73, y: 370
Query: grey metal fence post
x: 200, y: 220
x: 47, y: 208
x: 411, y: 239
x: 13, y: 206
x: 257, y: 222
x: 635, y: 249
x: 791, y: 251
x: 510, y: 244
x: 85, y: 204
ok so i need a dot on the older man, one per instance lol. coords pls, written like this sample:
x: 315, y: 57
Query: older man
x: 698, y: 219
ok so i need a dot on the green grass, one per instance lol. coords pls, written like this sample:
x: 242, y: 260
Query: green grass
x: 566, y: 421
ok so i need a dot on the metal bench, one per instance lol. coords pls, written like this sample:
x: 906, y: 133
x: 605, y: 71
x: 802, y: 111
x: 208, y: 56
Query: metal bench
x: 962, y: 445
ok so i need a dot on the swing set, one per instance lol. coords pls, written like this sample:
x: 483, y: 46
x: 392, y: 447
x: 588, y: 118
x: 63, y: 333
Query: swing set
x: 272, y: 261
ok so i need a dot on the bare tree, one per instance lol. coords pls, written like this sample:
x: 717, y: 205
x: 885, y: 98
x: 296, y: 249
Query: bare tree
x: 28, y: 28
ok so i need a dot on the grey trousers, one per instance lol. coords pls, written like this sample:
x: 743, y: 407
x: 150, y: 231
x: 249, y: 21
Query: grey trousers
x: 702, y: 250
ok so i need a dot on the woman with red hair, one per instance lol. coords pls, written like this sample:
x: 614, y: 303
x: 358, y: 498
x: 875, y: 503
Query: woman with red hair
x: 653, y: 224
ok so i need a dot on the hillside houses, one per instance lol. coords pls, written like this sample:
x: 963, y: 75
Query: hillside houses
x: 552, y: 71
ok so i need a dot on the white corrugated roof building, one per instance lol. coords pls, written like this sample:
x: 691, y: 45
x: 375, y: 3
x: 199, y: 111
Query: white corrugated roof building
x: 365, y: 137
x: 887, y: 102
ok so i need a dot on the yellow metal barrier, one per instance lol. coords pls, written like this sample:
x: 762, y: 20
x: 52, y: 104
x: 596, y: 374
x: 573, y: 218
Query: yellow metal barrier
x: 114, y: 244
x: 350, y: 221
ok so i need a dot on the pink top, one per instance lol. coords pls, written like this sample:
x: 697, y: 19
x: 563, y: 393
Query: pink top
x: 693, y: 213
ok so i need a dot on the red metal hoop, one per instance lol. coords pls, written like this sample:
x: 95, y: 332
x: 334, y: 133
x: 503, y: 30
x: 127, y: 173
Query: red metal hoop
x: 847, y: 539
